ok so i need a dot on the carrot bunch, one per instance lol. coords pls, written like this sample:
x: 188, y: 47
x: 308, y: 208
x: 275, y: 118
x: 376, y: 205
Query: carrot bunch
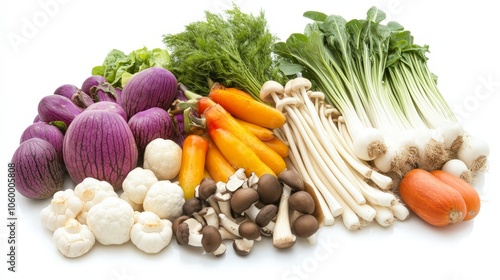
x: 238, y: 133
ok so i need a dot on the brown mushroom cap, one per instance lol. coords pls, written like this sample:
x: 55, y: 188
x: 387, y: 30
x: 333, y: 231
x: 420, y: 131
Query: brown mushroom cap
x: 269, y: 189
x: 302, y: 202
x: 305, y: 226
x: 179, y: 220
x: 292, y: 179
x: 266, y: 214
x: 206, y: 188
x: 243, y: 198
x: 191, y: 206
x: 211, y: 238
x: 182, y: 234
x: 249, y: 230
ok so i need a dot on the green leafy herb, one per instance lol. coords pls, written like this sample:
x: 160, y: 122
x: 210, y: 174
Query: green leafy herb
x: 118, y: 67
x: 233, y: 49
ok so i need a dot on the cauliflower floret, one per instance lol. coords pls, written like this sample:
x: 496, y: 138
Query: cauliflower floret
x: 111, y: 221
x: 137, y: 184
x: 163, y: 157
x: 135, y: 206
x: 92, y: 191
x: 165, y: 199
x: 63, y: 206
x: 73, y: 239
x: 150, y: 233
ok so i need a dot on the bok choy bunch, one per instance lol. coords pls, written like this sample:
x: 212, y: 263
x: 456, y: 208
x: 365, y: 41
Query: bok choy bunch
x: 374, y: 74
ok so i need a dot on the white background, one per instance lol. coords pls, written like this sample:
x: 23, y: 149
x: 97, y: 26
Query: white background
x: 73, y: 36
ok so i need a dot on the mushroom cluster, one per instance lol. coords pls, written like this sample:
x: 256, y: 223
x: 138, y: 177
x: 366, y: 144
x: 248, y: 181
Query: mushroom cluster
x: 244, y: 209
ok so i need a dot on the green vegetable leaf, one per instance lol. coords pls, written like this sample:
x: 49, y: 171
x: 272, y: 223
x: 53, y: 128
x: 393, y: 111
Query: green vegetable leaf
x: 233, y: 49
x: 118, y: 66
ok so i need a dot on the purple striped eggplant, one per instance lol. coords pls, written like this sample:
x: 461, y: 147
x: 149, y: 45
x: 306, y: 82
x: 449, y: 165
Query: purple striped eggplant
x: 108, y: 106
x: 66, y: 90
x: 57, y: 108
x: 39, y: 173
x: 152, y: 87
x: 99, y: 144
x: 92, y: 81
x: 46, y: 132
x: 148, y: 125
x: 103, y: 92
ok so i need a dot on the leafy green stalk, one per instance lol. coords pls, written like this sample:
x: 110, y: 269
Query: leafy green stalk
x: 233, y: 49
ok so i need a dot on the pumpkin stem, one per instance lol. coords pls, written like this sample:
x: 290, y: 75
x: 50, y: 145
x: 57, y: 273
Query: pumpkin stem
x: 455, y: 216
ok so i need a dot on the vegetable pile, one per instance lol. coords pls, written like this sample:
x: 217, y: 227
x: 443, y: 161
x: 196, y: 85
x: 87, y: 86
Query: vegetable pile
x: 236, y: 137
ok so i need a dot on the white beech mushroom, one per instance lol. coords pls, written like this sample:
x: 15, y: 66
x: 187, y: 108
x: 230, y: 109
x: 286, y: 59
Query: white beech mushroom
x: 282, y: 233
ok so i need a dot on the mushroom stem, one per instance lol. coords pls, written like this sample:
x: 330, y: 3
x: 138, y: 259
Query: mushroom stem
x: 229, y: 224
x: 282, y: 234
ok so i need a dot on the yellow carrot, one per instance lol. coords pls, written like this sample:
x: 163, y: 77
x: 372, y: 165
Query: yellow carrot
x: 263, y: 133
x: 217, y: 117
x: 194, y: 150
x: 217, y: 165
x: 278, y: 146
x: 237, y: 153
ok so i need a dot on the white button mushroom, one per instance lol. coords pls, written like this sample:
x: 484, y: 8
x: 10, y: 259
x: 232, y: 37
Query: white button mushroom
x: 73, y: 239
x: 63, y: 206
x: 165, y: 199
x: 92, y: 191
x: 111, y: 221
x: 137, y: 184
x: 163, y: 157
x: 150, y: 233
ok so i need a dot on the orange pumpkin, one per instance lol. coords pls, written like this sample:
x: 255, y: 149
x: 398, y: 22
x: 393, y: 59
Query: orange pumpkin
x: 468, y: 192
x: 431, y: 199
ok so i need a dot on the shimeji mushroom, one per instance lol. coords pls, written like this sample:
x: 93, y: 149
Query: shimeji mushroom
x: 191, y: 232
x: 92, y: 191
x: 282, y: 233
x: 191, y: 206
x: 247, y: 231
x: 205, y: 191
x: 269, y: 189
x: 63, y: 206
x: 150, y: 233
x: 111, y: 221
x: 243, y: 199
x: 73, y: 239
x: 210, y: 216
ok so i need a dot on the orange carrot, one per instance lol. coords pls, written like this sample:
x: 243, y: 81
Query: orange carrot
x: 217, y: 165
x: 194, y: 150
x: 217, y: 117
x: 264, y: 134
x: 248, y: 109
x: 203, y: 104
x: 278, y: 146
x: 237, y: 153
